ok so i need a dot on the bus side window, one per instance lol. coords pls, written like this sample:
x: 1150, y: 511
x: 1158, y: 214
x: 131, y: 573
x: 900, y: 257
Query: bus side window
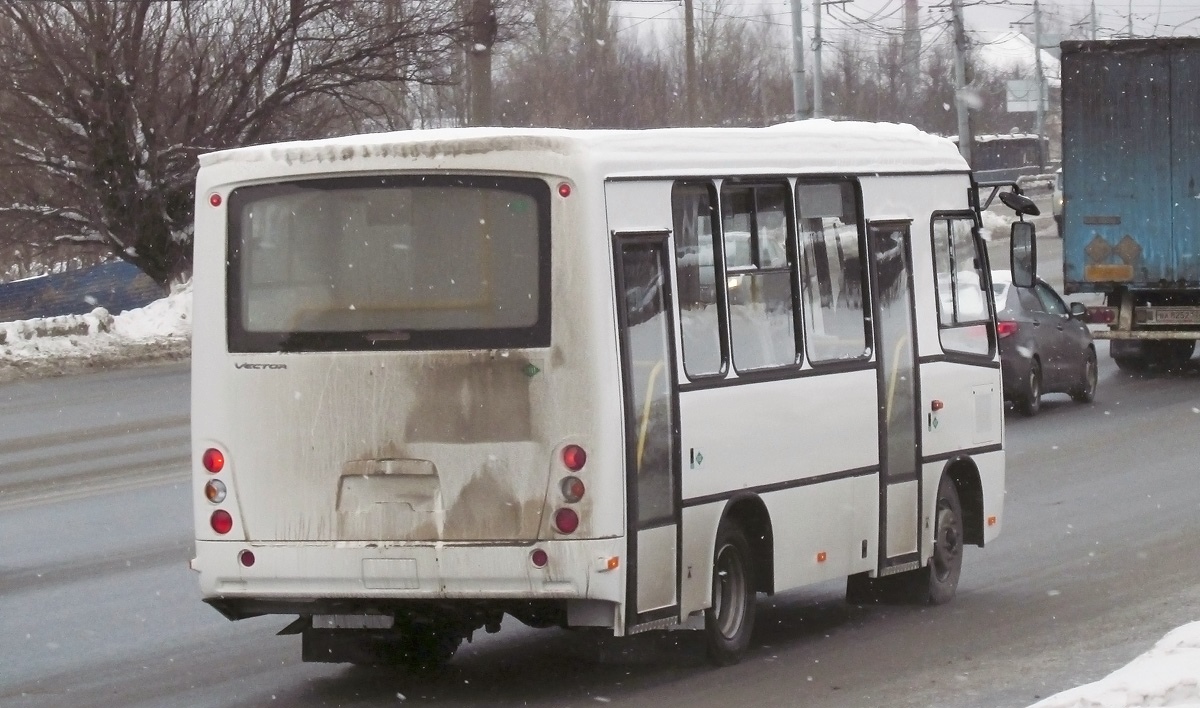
x: 835, y: 325
x: 696, y: 266
x: 756, y: 228
x: 962, y: 303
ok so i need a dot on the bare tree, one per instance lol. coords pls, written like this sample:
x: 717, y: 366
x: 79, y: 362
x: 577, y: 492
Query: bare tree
x: 107, y: 104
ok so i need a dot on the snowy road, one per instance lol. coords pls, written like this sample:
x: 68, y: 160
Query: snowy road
x: 97, y: 607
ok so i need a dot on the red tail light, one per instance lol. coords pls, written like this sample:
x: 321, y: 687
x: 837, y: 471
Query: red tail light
x: 221, y: 521
x: 574, y: 457
x: 1101, y: 315
x: 214, y: 460
x: 566, y: 520
x: 1005, y: 328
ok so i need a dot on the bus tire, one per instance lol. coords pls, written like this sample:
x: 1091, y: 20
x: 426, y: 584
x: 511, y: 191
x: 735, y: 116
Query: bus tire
x: 936, y: 583
x: 729, y: 622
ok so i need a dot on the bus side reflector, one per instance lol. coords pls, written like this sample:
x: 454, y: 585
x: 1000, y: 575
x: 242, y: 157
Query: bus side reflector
x: 821, y: 556
x: 614, y: 562
x: 246, y: 558
x: 564, y: 190
x: 991, y: 521
x: 539, y: 558
x: 214, y: 199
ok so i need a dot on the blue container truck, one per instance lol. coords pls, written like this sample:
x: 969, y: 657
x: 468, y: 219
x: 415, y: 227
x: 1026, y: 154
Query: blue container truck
x: 1131, y: 192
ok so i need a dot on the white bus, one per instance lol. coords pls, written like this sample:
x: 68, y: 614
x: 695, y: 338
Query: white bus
x: 618, y: 379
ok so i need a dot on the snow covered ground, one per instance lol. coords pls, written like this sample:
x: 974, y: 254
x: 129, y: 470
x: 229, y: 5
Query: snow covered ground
x: 161, y: 331
x: 1166, y: 675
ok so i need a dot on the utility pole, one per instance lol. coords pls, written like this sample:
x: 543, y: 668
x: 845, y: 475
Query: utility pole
x: 910, y: 54
x: 1040, y: 77
x: 960, y: 81
x: 481, y: 17
x: 799, y: 90
x: 1093, y: 20
x: 689, y: 35
x: 816, y: 102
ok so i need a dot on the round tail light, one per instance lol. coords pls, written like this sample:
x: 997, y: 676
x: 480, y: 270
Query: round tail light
x: 215, y: 491
x: 566, y: 520
x: 572, y: 489
x: 574, y: 457
x: 221, y: 521
x: 214, y: 460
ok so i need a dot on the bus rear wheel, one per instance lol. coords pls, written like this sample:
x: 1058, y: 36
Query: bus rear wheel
x: 729, y: 622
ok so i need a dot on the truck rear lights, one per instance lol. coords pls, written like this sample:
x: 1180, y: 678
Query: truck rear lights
x: 214, y: 460
x: 539, y: 558
x: 566, y: 520
x: 1101, y: 315
x: 574, y: 457
x: 246, y: 558
x: 572, y: 489
x: 1005, y: 328
x: 215, y: 491
x: 221, y: 521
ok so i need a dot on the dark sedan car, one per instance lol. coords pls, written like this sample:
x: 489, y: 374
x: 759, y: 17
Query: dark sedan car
x: 1045, y: 347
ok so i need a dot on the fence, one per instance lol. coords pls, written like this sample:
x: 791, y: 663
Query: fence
x: 116, y: 287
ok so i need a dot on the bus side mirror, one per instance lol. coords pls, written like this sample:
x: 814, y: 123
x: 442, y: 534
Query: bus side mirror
x: 1023, y: 254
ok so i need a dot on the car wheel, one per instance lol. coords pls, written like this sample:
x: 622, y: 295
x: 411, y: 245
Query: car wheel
x: 1085, y: 392
x: 730, y: 621
x: 1031, y: 400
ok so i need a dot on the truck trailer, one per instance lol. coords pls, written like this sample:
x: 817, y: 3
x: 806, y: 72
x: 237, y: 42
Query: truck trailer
x: 1131, y: 185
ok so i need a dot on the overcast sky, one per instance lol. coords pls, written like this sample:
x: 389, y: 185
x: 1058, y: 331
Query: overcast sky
x: 880, y: 18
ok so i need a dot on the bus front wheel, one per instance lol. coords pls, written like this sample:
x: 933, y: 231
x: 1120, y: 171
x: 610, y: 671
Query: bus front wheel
x: 729, y: 622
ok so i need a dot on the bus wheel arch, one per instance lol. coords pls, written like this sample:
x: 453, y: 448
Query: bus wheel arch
x: 750, y: 514
x: 741, y: 568
x: 965, y: 476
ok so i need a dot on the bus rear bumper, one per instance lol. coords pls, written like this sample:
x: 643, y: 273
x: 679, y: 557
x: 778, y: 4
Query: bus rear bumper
x: 294, y: 575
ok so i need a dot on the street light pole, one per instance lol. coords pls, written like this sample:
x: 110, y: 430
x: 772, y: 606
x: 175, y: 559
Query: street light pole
x: 799, y: 90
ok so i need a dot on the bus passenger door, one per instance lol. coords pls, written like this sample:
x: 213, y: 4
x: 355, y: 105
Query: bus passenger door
x: 651, y: 429
x: 899, y: 449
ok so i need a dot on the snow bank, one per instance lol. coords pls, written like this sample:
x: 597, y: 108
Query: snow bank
x: 1168, y: 675
x: 161, y: 331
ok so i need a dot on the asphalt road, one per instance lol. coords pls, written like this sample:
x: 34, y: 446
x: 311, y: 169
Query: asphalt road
x: 97, y: 606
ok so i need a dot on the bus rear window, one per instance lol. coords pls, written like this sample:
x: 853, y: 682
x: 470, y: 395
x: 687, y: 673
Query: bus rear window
x: 409, y: 262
